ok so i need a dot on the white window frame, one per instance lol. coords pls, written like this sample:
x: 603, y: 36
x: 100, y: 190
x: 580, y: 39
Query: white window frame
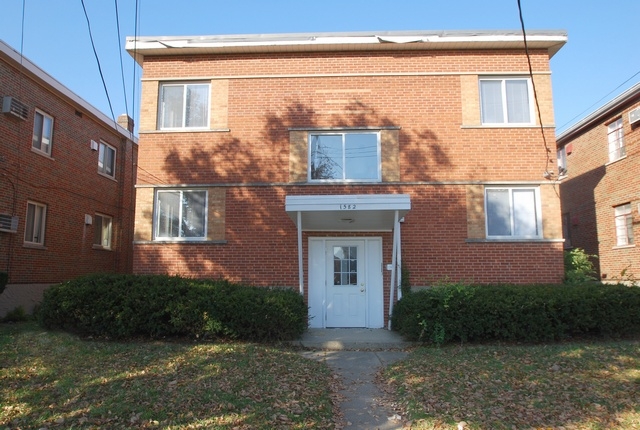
x: 537, y: 207
x: 615, y: 140
x: 35, y: 222
x: 378, y: 177
x: 103, y: 225
x: 184, y: 85
x: 103, y: 147
x: 40, y: 141
x: 158, y: 235
x: 624, y: 225
x: 562, y: 161
x: 504, y: 103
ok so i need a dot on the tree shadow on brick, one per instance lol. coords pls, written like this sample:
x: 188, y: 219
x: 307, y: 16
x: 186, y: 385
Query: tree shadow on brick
x: 259, y: 244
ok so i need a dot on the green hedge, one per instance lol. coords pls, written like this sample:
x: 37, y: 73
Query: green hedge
x: 532, y: 313
x: 126, y: 306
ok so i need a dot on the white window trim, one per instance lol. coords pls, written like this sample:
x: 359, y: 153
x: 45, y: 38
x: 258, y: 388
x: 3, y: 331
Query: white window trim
x: 623, y: 212
x: 156, y: 214
x: 184, y: 114
x: 44, y: 115
x: 101, y: 245
x: 538, y: 208
x: 505, y: 123
x: 41, y: 233
x: 615, y: 129
x: 102, y: 170
x: 343, y: 133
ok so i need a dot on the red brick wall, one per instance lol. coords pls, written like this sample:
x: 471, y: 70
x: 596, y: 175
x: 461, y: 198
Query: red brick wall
x: 594, y: 187
x: 67, y: 182
x: 439, y: 156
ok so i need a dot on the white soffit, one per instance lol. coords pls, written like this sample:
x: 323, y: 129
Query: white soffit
x: 374, y: 212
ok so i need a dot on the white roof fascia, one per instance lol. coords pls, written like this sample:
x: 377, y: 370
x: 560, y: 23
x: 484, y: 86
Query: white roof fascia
x: 52, y: 83
x: 300, y: 42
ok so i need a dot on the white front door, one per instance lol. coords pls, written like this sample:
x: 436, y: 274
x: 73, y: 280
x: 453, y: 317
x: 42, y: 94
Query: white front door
x: 346, y: 284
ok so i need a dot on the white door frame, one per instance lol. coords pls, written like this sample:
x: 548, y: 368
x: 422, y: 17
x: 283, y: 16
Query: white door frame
x: 317, y: 280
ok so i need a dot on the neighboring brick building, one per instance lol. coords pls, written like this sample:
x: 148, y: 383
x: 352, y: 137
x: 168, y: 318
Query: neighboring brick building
x: 326, y: 161
x: 601, y: 190
x: 66, y: 184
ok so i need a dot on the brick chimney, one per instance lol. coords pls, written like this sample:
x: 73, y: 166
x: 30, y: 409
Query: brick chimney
x: 125, y: 121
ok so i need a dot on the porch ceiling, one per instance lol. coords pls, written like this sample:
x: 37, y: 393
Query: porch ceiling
x: 373, y: 212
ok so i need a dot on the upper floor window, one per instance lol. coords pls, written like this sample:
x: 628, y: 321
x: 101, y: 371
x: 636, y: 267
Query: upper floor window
x: 348, y: 156
x: 42, y: 132
x: 513, y: 213
x: 624, y: 225
x: 35, y: 222
x: 102, y: 231
x: 184, y: 105
x: 615, y: 136
x: 505, y: 101
x: 106, y: 159
x: 181, y: 214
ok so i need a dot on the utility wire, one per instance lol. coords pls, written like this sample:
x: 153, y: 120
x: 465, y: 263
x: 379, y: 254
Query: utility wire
x: 598, y: 102
x: 124, y: 87
x: 535, y: 94
x: 95, y: 53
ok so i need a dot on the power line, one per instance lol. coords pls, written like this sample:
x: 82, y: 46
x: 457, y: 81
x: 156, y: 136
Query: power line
x: 95, y: 53
x: 535, y: 94
x: 124, y: 87
x: 598, y: 102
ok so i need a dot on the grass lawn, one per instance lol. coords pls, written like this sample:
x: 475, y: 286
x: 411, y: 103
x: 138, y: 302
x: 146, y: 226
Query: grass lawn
x: 559, y: 386
x: 55, y: 380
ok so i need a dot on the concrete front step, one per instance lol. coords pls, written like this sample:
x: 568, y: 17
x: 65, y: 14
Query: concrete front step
x: 352, y: 339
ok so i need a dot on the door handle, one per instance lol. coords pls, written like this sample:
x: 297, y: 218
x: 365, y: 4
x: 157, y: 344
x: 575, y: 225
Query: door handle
x: 362, y: 289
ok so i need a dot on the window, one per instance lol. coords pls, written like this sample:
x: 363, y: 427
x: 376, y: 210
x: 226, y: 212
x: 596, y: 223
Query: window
x: 184, y: 105
x: 624, y: 225
x: 42, y: 132
x: 106, y: 160
x: 505, y: 101
x: 513, y: 213
x: 102, y: 231
x: 344, y: 156
x: 34, y: 229
x: 562, y: 161
x: 615, y: 137
x: 181, y: 214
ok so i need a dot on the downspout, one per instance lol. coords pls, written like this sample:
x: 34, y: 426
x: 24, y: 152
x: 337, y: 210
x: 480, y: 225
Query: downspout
x: 300, y: 268
x: 399, y: 260
x: 393, y: 267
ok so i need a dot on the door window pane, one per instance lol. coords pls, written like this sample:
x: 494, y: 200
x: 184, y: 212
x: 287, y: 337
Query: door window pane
x: 345, y: 265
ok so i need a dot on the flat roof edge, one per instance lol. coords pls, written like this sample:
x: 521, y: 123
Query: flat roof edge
x: 552, y: 40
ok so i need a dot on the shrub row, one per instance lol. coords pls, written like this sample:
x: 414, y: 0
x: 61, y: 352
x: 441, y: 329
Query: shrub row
x: 531, y: 313
x: 126, y: 306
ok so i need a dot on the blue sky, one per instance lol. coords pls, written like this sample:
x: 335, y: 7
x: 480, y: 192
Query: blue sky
x: 601, y: 54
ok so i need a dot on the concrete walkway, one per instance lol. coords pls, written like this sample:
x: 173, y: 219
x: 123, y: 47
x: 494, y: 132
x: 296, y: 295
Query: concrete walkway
x: 356, y: 355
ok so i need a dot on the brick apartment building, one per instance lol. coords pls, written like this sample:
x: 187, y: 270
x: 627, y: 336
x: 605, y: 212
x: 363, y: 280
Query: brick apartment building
x: 600, y: 192
x: 326, y: 162
x: 66, y: 184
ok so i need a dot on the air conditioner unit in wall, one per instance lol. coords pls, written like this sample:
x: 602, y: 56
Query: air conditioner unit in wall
x: 634, y: 116
x: 15, y: 107
x: 8, y: 223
